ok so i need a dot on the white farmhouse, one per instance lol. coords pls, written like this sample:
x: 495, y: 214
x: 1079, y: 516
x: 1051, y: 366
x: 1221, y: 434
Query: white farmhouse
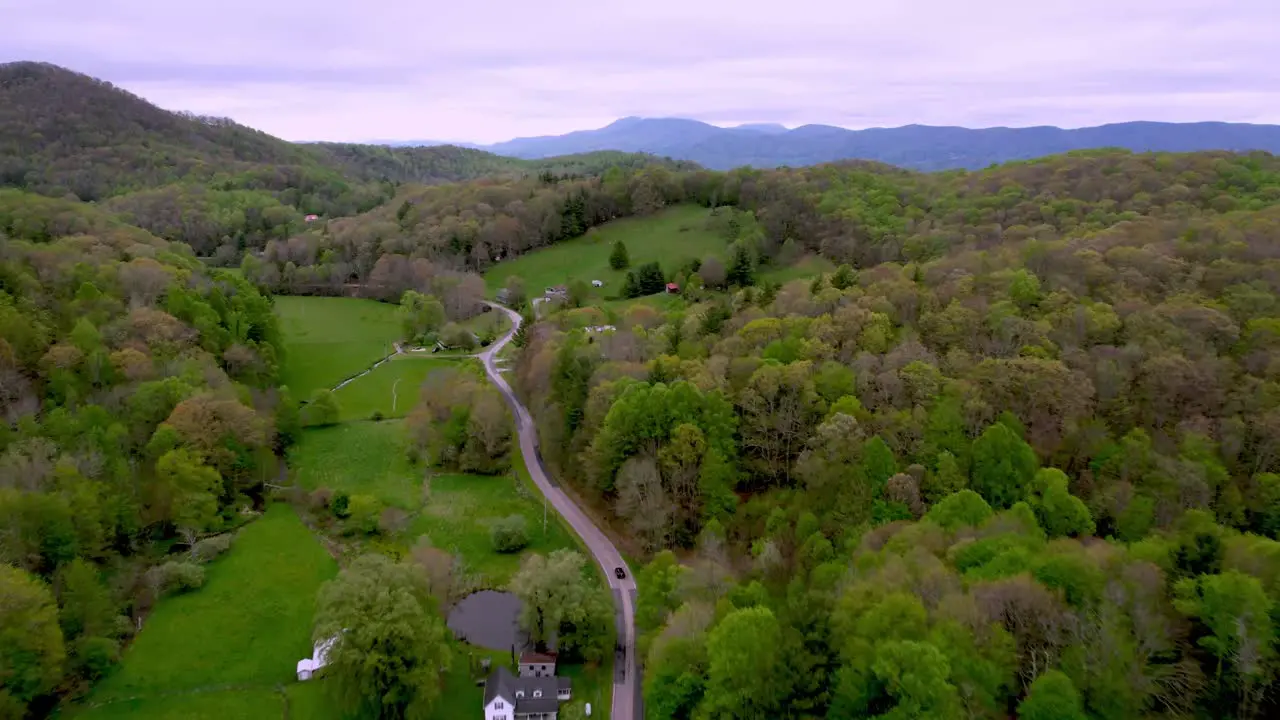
x: 507, y: 697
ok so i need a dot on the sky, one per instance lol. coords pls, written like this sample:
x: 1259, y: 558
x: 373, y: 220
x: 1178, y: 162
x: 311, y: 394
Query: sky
x: 489, y: 70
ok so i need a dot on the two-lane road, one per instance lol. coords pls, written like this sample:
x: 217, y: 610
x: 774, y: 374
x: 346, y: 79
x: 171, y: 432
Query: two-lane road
x: 625, y: 687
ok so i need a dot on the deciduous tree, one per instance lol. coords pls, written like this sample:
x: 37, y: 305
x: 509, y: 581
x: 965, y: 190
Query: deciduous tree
x: 389, y: 649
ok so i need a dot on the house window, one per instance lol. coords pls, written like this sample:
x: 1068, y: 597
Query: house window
x: 537, y: 693
x: 519, y: 693
x: 497, y: 705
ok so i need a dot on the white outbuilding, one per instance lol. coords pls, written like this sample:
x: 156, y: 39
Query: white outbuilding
x: 308, y: 667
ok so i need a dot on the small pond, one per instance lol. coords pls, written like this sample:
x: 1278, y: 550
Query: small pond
x: 488, y: 619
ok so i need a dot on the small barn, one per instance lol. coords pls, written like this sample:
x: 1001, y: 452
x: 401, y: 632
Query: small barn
x: 673, y: 289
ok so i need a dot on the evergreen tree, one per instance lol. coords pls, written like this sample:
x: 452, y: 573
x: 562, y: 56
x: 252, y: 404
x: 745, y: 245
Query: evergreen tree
x: 742, y: 270
x: 631, y: 286
x: 649, y: 280
x: 619, y: 259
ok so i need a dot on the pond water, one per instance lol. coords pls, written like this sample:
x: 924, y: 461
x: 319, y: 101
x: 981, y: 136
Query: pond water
x: 488, y: 619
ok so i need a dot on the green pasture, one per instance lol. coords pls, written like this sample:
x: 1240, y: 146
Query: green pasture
x: 670, y: 237
x: 218, y: 651
x: 329, y: 339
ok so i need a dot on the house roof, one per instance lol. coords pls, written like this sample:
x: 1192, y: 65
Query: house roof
x: 537, y: 657
x: 672, y: 286
x: 564, y: 683
x: 502, y: 684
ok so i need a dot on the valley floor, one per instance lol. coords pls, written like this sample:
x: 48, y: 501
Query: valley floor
x: 229, y: 649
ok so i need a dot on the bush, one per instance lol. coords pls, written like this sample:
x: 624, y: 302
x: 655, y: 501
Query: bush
x: 322, y: 410
x: 456, y: 337
x: 364, y: 512
x: 392, y: 521
x: 341, y: 506
x: 211, y: 547
x: 377, y: 416
x: 94, y: 657
x: 320, y: 498
x: 175, y: 576
x: 510, y: 534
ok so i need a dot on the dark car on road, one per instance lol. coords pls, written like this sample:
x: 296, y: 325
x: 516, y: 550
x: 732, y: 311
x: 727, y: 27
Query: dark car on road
x: 619, y: 573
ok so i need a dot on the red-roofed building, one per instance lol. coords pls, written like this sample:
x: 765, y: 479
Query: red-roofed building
x: 673, y: 289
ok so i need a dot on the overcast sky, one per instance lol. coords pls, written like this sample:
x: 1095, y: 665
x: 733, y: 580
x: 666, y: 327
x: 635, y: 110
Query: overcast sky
x: 488, y: 70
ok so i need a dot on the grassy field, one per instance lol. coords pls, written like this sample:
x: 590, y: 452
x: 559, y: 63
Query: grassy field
x: 219, y: 651
x: 359, y: 458
x: 456, y: 512
x: 261, y: 703
x: 373, y: 392
x: 329, y: 339
x: 461, y: 509
x: 670, y: 237
x: 806, y: 267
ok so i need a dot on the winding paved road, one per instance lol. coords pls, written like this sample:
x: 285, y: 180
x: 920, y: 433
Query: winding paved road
x: 626, y: 696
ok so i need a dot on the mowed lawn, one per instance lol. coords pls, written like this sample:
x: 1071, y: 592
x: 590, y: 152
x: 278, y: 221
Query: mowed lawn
x: 220, y: 650
x: 329, y: 339
x: 392, y: 388
x: 670, y: 237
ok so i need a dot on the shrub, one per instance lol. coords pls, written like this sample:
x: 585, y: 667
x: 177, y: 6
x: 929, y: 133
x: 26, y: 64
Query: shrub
x: 95, y: 656
x: 322, y: 410
x: 392, y: 521
x: 377, y: 416
x: 320, y: 498
x: 510, y: 534
x: 364, y: 512
x: 211, y: 547
x: 341, y: 506
x: 456, y: 337
x: 175, y: 576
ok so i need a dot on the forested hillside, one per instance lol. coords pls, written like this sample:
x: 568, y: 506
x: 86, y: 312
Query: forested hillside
x: 448, y: 163
x: 218, y: 186
x: 463, y: 227
x: 1017, y: 454
x: 140, y: 417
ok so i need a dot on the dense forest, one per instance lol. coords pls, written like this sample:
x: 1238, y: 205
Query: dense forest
x: 140, y: 420
x: 1018, y: 453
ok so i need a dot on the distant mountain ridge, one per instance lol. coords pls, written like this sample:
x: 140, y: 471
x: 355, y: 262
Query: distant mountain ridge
x: 917, y: 147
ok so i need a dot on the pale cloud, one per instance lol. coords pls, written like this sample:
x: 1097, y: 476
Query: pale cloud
x: 487, y: 70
